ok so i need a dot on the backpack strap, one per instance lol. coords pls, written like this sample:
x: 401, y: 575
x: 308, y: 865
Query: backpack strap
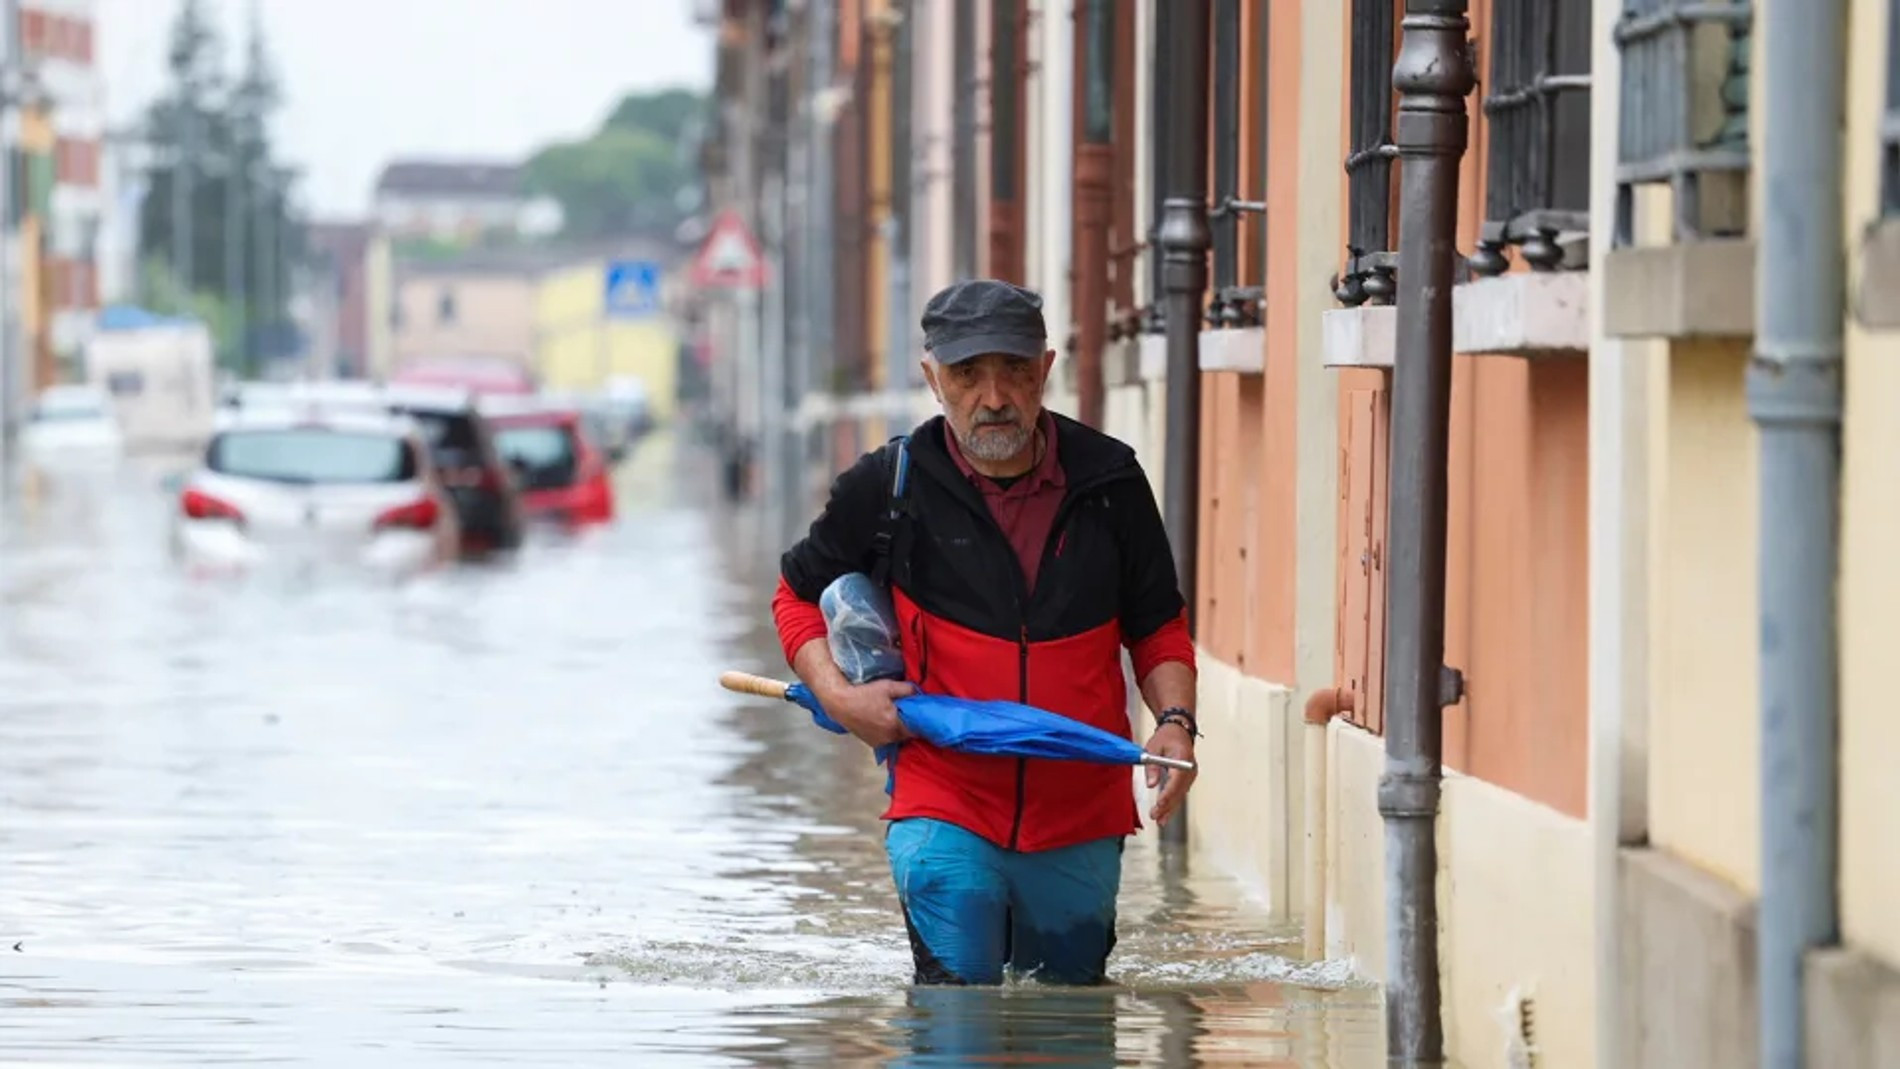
x: 896, y: 510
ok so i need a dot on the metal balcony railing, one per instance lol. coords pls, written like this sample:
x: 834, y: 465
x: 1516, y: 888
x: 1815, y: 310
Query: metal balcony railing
x: 1538, y: 111
x: 1684, y: 118
x: 1371, y: 262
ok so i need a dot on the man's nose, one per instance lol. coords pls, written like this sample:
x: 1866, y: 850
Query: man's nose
x: 989, y: 391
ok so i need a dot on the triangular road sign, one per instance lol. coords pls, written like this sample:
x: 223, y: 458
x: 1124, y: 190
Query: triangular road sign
x: 730, y: 257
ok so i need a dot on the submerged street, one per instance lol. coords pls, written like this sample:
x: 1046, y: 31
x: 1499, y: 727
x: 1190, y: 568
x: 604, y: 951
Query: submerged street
x: 504, y: 814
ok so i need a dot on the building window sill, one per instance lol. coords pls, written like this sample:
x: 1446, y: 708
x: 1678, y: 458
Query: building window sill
x: 1241, y: 349
x: 1529, y: 314
x: 1360, y: 337
x: 1878, y: 298
x: 1693, y: 289
x: 1526, y: 313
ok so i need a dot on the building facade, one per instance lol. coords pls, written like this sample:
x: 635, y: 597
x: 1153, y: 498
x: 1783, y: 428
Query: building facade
x: 1614, y: 867
x: 458, y: 202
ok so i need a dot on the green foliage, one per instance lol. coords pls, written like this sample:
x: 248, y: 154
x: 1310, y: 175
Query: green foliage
x: 627, y: 178
x: 163, y: 295
x: 244, y: 233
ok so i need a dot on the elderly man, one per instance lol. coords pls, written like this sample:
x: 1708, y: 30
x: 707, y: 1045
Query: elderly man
x: 1023, y: 552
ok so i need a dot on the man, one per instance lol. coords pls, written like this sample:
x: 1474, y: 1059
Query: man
x: 1023, y: 553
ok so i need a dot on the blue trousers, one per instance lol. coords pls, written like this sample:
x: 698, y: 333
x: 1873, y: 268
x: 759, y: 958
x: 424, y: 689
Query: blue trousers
x: 974, y: 908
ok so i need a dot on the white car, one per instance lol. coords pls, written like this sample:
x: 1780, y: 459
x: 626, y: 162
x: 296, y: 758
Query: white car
x: 72, y: 422
x: 298, y: 489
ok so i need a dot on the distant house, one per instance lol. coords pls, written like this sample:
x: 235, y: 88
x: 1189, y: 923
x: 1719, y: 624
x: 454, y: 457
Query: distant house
x: 459, y: 201
x: 481, y: 304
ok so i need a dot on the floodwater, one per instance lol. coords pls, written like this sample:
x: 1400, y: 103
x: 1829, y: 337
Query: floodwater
x: 504, y: 815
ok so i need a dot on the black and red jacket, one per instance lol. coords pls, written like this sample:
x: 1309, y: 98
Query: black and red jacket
x: 972, y: 629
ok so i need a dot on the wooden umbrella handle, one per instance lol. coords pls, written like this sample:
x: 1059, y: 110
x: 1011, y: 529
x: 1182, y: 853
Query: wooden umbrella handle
x: 747, y: 683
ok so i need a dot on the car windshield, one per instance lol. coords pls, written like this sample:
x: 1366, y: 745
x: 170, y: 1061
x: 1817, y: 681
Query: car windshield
x: 312, y: 455
x: 68, y: 412
x: 544, y: 454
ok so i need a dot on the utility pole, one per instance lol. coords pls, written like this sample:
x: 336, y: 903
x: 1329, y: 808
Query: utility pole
x: 1094, y: 175
x: 12, y: 79
x: 236, y: 183
x: 183, y: 160
x: 1432, y: 75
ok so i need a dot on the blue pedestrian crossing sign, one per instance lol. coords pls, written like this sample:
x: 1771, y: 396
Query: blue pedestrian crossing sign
x: 633, y: 289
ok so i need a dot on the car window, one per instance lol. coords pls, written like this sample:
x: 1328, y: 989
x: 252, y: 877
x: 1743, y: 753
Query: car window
x: 66, y: 411
x: 447, y: 434
x: 544, y: 454
x: 312, y: 455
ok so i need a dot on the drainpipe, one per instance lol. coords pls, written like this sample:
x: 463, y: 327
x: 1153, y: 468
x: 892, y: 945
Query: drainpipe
x: 819, y: 311
x: 963, y: 156
x: 1321, y: 707
x: 1094, y: 164
x: 1184, y: 240
x: 1432, y: 75
x: 1794, y: 395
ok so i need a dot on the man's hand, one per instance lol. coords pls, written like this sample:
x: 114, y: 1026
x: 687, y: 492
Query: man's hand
x: 869, y: 710
x: 1171, y: 740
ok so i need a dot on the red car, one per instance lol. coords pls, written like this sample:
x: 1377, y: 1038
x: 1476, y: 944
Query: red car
x: 562, y: 474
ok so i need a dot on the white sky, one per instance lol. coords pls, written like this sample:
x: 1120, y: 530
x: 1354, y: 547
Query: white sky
x: 367, y: 80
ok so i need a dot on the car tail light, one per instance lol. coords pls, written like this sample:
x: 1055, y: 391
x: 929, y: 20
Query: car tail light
x: 417, y: 515
x: 199, y: 505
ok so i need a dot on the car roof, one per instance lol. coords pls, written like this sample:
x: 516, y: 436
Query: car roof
x: 535, y: 408
x: 322, y: 417
x: 430, y: 398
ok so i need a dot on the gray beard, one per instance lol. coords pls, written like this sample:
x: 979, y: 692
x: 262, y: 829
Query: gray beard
x: 995, y: 446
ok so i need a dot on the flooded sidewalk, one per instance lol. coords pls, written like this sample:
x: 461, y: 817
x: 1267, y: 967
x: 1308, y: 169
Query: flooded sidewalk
x: 505, y: 815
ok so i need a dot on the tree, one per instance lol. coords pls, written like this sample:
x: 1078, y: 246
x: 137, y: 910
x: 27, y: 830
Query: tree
x: 626, y: 178
x: 218, y: 214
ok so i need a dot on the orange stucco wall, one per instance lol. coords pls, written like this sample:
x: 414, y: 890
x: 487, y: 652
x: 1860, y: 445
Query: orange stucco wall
x: 1247, y: 563
x: 1517, y: 567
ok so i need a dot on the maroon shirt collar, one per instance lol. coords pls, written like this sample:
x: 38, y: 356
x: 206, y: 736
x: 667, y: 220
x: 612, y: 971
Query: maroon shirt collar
x: 1048, y: 473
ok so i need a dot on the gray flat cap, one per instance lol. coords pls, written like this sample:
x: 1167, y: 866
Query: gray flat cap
x: 977, y: 316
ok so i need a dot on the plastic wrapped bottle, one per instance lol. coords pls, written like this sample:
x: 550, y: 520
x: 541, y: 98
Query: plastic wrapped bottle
x: 861, y: 629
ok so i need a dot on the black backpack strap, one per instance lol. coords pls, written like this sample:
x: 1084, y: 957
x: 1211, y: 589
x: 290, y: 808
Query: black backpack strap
x: 896, y: 509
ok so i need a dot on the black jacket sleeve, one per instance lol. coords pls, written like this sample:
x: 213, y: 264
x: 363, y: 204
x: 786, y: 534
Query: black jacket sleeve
x: 841, y: 539
x: 1150, y: 590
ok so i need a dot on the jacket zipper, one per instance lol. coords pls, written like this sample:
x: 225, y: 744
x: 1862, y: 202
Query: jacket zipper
x: 1022, y: 616
x: 923, y: 649
x: 1022, y: 764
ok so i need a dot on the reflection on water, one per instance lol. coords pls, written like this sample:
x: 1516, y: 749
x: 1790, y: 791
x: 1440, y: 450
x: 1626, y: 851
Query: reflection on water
x: 504, y: 814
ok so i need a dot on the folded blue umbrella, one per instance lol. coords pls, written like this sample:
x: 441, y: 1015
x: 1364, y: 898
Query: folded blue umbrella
x: 1004, y: 729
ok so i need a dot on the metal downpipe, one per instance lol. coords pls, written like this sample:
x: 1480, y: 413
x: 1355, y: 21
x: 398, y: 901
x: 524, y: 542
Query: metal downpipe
x: 1184, y: 240
x: 1432, y: 75
x: 1794, y: 395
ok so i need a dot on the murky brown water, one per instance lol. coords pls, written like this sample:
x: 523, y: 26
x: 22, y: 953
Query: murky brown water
x: 505, y: 815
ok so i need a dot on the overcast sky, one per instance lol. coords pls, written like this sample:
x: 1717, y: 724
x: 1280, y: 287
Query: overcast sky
x: 366, y: 80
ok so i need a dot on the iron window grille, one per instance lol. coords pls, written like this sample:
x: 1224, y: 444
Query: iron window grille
x: 1371, y: 262
x: 1233, y: 304
x: 1152, y: 320
x: 1671, y: 129
x: 1537, y: 194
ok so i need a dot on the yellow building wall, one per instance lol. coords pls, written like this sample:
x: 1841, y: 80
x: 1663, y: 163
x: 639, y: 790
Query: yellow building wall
x: 1515, y: 904
x: 1870, y: 525
x: 1704, y: 730
x: 378, y: 287
x: 576, y: 348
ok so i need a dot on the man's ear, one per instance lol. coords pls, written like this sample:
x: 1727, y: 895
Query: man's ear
x: 1048, y: 363
x: 930, y: 376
